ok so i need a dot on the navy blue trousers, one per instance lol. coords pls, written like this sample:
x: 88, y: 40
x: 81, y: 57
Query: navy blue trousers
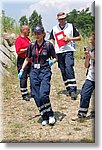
x: 66, y: 64
x: 86, y: 93
x: 40, y: 90
x: 23, y: 80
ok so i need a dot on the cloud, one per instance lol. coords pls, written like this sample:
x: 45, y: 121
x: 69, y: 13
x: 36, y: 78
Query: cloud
x: 49, y: 8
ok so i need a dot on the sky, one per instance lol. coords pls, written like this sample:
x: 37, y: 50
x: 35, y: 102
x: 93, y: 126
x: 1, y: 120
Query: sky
x: 47, y: 8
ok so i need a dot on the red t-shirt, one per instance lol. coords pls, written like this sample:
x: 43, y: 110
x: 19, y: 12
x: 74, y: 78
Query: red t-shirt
x: 22, y: 43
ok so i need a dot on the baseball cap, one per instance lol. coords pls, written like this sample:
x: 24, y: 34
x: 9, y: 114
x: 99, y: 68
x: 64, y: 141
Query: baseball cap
x: 61, y: 15
x: 38, y: 28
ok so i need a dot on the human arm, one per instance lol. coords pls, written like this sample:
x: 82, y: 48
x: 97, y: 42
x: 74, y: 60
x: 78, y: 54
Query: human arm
x: 22, y: 51
x: 52, y: 39
x: 76, y: 35
x: 87, y: 58
x: 68, y: 39
x: 26, y: 61
x: 21, y: 45
x: 53, y: 57
x: 23, y: 67
x: 28, y: 56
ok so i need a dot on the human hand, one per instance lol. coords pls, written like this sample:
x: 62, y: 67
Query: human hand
x: 66, y: 38
x: 87, y: 54
x: 51, y: 62
x: 20, y: 74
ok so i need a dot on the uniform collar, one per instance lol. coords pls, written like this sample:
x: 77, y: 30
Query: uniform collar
x: 66, y: 25
x: 39, y: 46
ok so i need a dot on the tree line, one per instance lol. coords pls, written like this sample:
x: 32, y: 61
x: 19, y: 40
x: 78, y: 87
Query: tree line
x: 83, y: 20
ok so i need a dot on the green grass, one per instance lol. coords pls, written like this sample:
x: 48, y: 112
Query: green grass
x: 85, y: 140
x: 18, y: 125
x: 77, y: 129
x: 81, y: 120
x: 79, y: 54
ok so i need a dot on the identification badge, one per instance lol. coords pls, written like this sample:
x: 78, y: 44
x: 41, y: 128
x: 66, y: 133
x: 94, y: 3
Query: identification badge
x: 37, y: 66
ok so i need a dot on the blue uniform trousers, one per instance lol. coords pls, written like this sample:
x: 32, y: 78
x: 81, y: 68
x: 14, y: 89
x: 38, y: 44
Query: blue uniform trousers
x: 23, y: 80
x: 40, y: 90
x: 66, y: 63
x: 86, y: 93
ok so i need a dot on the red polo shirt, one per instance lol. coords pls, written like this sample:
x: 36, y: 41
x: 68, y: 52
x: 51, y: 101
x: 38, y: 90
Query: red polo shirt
x: 21, y: 43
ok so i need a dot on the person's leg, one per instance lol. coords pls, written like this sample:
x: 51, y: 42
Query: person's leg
x: 61, y: 65
x: 35, y: 83
x: 46, y: 109
x: 86, y: 93
x: 35, y: 87
x: 23, y: 80
x: 70, y: 75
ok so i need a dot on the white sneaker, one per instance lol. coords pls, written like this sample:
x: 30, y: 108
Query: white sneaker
x: 44, y: 122
x: 52, y: 120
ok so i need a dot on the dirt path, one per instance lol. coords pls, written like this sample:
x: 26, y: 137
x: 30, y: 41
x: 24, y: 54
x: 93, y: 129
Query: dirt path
x: 21, y: 120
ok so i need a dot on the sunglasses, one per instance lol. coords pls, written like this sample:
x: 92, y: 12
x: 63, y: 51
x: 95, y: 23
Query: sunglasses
x: 62, y: 19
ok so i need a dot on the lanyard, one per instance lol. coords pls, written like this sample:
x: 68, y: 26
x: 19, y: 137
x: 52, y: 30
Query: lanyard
x: 38, y: 52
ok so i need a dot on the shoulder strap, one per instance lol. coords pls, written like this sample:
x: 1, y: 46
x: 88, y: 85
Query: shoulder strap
x: 47, y: 44
x: 32, y: 44
x: 87, y: 70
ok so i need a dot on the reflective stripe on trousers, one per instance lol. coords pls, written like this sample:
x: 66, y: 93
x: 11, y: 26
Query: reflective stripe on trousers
x: 86, y: 93
x: 40, y: 89
x: 23, y: 80
x: 66, y: 63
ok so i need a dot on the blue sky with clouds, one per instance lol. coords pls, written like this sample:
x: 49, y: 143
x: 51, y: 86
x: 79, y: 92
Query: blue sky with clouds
x: 47, y: 8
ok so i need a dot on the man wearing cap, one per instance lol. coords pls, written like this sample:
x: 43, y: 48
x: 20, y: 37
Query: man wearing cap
x: 21, y: 44
x: 64, y: 36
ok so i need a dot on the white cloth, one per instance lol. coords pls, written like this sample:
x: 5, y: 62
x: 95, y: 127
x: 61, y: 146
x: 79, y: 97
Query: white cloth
x: 68, y: 31
x: 91, y: 70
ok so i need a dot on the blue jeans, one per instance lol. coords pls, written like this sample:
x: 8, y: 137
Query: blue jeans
x: 86, y: 93
x: 66, y: 63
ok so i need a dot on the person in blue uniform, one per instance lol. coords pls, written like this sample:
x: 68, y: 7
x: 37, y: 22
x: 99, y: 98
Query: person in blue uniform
x: 64, y: 35
x: 43, y: 57
x: 89, y: 84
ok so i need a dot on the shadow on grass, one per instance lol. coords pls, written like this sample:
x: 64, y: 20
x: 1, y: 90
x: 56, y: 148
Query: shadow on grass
x: 65, y: 92
x: 91, y: 116
x: 59, y: 116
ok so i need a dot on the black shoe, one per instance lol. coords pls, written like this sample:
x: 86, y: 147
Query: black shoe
x: 73, y: 96
x: 26, y: 98
x: 92, y: 114
x: 67, y: 93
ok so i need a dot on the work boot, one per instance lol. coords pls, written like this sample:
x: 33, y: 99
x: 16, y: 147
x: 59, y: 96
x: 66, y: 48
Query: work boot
x: 26, y: 98
x: 52, y: 120
x: 73, y: 96
x: 44, y: 122
x: 67, y: 91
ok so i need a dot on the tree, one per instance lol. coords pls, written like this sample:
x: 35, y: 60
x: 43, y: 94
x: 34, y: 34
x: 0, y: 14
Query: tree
x: 83, y: 20
x: 23, y: 21
x: 34, y: 20
x: 8, y: 23
x: 72, y: 16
